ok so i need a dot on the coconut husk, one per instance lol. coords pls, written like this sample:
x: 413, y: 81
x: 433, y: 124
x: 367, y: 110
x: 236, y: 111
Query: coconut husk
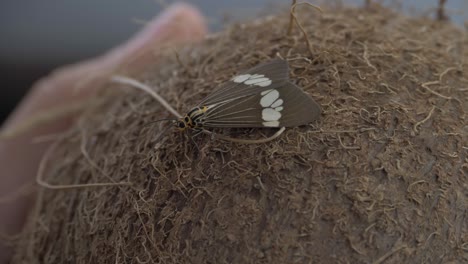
x: 380, y: 178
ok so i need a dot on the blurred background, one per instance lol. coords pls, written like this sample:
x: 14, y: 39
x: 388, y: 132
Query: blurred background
x: 38, y: 36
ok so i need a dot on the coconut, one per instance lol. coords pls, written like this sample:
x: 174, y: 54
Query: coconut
x: 380, y: 177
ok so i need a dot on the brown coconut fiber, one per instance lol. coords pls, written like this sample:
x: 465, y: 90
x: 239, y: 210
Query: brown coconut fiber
x: 380, y: 178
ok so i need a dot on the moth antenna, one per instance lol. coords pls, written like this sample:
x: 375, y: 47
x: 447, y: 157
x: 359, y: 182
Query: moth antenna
x: 136, y: 84
x: 163, y: 133
x: 160, y: 120
x: 165, y: 130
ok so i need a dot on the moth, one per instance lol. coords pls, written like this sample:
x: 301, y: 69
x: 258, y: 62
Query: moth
x: 262, y: 96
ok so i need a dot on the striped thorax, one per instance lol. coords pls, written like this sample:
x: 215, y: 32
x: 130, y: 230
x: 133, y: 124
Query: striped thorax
x: 193, y: 119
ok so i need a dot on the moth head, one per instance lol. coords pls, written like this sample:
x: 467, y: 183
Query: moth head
x: 182, y: 123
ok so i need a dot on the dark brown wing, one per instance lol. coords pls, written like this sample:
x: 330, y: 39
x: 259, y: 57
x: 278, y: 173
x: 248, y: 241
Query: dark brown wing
x: 262, y: 77
x: 283, y: 106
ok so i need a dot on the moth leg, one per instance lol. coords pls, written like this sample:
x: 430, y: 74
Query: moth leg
x: 196, y: 132
x: 247, y: 141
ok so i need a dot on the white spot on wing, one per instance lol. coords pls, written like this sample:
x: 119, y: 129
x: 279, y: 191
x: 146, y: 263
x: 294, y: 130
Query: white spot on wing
x: 279, y: 108
x: 254, y: 76
x: 266, y: 91
x: 271, y: 124
x: 270, y: 114
x: 241, y: 78
x: 252, y: 79
x: 277, y: 103
x: 262, y: 82
x: 269, y: 98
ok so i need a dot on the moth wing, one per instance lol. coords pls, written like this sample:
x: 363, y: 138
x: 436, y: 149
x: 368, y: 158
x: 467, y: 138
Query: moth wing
x: 275, y: 73
x: 284, y: 106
